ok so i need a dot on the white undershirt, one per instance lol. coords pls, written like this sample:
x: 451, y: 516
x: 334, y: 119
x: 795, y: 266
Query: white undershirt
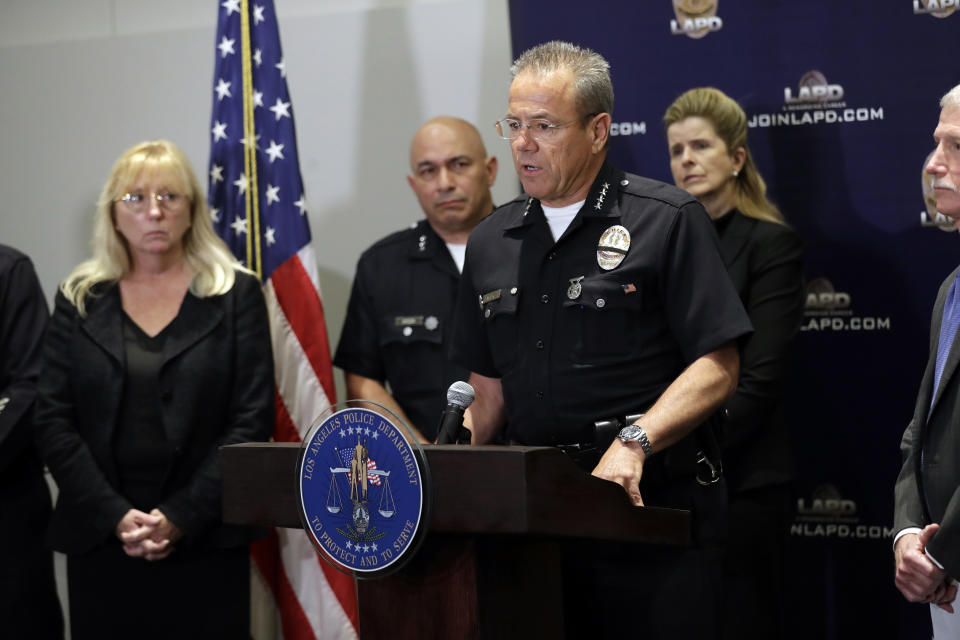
x: 459, y: 252
x: 560, y: 218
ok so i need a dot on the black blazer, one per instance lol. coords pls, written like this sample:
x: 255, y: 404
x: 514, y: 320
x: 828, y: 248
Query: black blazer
x: 216, y: 387
x: 928, y: 488
x: 28, y: 598
x: 765, y: 262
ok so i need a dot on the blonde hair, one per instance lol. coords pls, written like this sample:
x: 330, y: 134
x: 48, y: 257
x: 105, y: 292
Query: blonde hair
x: 214, y: 267
x: 730, y: 123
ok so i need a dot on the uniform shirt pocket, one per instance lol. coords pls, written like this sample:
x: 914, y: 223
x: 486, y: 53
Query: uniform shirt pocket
x: 409, y: 329
x: 412, y: 350
x: 604, y: 317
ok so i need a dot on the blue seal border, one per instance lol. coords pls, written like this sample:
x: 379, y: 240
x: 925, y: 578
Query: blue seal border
x: 355, y: 526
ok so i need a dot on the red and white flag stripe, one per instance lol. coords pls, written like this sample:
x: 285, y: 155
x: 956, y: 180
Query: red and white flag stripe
x: 312, y: 600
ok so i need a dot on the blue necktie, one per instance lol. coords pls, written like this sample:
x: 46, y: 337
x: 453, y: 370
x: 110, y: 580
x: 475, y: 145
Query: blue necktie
x: 948, y: 330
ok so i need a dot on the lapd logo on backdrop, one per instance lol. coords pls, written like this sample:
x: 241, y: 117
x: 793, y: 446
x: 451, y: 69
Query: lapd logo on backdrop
x: 930, y: 217
x: 813, y: 90
x: 827, y: 309
x: 827, y: 514
x: 936, y: 8
x: 362, y: 491
x: 815, y: 100
x: 695, y: 18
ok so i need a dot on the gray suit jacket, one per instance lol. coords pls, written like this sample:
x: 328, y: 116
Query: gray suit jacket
x: 928, y: 488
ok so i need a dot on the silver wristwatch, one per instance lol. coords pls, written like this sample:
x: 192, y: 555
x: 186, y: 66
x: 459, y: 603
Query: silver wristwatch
x: 635, y: 433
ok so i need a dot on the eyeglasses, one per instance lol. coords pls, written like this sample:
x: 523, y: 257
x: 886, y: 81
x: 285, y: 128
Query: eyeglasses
x: 540, y: 130
x: 140, y: 202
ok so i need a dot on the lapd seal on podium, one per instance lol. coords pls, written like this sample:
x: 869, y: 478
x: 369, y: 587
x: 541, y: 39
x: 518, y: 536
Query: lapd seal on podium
x: 364, y: 490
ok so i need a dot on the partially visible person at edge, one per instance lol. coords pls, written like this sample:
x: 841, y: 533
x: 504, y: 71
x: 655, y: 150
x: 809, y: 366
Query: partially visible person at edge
x: 397, y: 328
x: 157, y: 354
x: 927, y: 495
x: 710, y: 159
x: 29, y: 607
x: 603, y: 295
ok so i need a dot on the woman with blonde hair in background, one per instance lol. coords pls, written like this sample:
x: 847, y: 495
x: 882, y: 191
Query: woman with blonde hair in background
x: 157, y: 354
x: 709, y: 157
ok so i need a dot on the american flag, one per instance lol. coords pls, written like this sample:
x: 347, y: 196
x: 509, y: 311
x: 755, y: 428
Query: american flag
x: 259, y: 208
x: 346, y: 455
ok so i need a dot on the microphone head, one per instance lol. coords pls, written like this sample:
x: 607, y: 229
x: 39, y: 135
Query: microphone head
x: 460, y: 394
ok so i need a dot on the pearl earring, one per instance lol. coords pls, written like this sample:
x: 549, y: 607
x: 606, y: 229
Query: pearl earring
x: 735, y: 173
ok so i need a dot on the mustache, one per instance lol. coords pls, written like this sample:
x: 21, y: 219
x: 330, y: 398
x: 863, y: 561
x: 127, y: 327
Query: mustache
x: 943, y: 184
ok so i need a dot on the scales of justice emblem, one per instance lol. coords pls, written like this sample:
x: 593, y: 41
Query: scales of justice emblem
x: 358, y: 474
x: 364, y: 490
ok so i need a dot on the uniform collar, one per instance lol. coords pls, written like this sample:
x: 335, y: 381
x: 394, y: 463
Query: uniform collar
x: 425, y: 244
x: 601, y: 200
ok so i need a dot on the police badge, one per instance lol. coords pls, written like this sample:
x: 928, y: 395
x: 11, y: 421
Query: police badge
x: 613, y: 247
x: 364, y: 491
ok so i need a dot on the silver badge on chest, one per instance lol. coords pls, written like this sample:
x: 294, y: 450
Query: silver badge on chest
x: 613, y: 247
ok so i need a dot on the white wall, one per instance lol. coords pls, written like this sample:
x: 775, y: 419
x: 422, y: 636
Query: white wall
x: 82, y: 80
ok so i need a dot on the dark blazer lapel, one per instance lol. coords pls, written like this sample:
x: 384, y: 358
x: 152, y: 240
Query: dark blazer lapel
x: 197, y: 318
x: 735, y: 237
x: 104, y: 322
x: 950, y: 366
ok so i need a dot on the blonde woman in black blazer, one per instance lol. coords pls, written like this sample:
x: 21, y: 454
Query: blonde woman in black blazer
x: 158, y: 353
x: 709, y: 157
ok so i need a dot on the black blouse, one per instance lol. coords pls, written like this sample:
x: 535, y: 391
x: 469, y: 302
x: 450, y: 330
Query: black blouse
x: 141, y: 449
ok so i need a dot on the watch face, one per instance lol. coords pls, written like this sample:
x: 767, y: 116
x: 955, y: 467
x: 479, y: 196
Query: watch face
x: 630, y: 433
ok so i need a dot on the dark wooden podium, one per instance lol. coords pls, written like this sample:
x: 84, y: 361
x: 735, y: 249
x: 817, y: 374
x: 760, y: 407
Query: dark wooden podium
x: 490, y: 565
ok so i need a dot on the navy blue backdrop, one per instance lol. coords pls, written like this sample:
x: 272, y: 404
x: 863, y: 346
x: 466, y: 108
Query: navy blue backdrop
x: 842, y: 100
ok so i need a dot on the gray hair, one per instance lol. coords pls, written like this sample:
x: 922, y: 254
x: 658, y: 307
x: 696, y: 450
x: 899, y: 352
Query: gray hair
x: 951, y: 98
x: 591, y: 72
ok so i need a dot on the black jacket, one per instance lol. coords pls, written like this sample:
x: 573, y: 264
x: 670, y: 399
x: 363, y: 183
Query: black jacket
x: 765, y: 263
x: 216, y: 387
x: 28, y: 599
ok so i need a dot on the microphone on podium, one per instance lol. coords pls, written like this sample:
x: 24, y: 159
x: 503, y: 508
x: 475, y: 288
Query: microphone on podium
x: 451, y: 429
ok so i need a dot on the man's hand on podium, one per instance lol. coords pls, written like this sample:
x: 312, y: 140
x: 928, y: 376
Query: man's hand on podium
x: 623, y: 463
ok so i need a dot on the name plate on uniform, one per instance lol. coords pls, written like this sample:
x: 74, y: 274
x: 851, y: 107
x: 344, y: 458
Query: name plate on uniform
x: 364, y: 493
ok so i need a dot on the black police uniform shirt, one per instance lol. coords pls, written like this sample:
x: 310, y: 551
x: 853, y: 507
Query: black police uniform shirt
x: 573, y: 341
x: 398, y: 322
